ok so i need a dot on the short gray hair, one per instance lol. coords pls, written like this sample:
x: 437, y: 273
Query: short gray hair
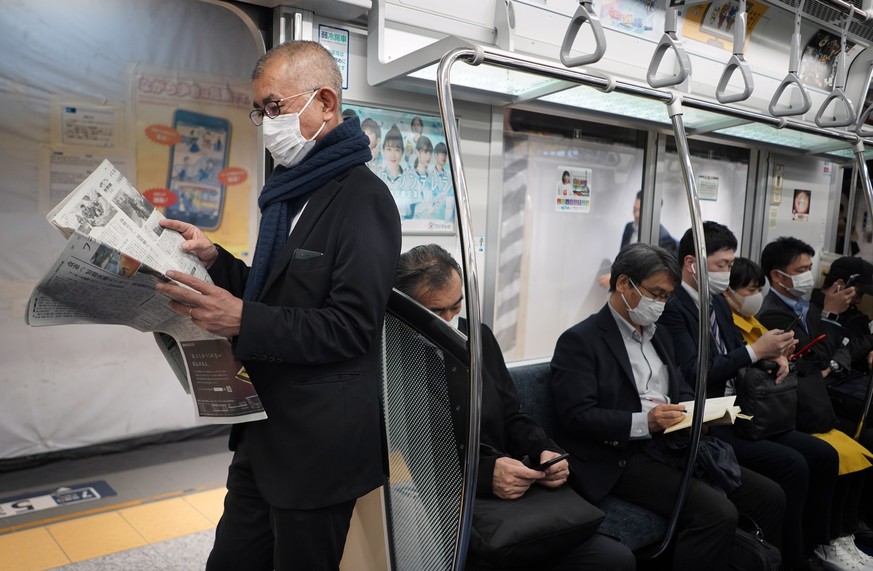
x: 310, y: 64
x: 639, y: 261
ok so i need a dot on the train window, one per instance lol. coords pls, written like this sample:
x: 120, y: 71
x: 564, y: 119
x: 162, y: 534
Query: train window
x: 721, y: 173
x: 568, y: 194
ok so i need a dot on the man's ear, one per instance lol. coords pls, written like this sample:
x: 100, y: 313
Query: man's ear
x: 330, y: 104
x: 688, y: 262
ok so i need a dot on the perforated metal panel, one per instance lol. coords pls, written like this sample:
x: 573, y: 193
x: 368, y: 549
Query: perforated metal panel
x: 425, y: 485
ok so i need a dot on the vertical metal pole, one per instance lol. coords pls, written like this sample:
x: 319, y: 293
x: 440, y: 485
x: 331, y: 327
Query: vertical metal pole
x: 851, y: 206
x: 675, y: 110
x: 464, y: 217
x: 864, y: 175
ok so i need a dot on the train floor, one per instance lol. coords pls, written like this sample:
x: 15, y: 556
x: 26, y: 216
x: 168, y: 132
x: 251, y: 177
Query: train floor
x: 153, y: 508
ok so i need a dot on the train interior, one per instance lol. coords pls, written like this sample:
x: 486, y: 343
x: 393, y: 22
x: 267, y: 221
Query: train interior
x: 550, y: 116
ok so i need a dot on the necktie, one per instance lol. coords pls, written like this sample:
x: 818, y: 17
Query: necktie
x: 716, y: 334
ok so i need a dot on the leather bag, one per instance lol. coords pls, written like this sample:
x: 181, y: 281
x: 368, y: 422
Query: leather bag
x: 542, y: 525
x: 773, y: 407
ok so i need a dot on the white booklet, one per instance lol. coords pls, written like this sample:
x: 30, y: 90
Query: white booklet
x: 716, y: 411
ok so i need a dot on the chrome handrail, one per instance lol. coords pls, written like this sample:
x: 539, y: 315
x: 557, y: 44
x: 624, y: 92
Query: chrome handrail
x: 474, y: 318
x: 864, y: 175
x: 584, y: 13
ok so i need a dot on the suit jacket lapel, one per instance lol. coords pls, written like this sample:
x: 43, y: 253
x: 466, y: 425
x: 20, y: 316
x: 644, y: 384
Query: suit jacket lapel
x: 613, y: 340
x: 312, y: 212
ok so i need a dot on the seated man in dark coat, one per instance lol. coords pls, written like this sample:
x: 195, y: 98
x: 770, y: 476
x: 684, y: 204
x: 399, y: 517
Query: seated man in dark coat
x: 432, y: 277
x: 615, y: 387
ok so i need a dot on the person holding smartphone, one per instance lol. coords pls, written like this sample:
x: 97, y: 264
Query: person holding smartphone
x: 508, y: 436
x: 848, y: 272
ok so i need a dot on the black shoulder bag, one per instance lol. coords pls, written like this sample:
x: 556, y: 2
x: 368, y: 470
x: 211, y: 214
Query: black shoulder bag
x: 773, y: 407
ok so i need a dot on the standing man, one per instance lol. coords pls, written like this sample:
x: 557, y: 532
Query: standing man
x: 305, y: 321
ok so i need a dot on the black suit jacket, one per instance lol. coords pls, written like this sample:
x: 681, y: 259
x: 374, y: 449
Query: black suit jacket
x: 665, y: 240
x: 681, y: 319
x: 505, y: 430
x: 595, y: 396
x: 310, y: 344
x: 776, y: 314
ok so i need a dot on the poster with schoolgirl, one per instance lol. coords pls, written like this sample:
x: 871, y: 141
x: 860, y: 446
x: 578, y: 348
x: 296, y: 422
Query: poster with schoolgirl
x: 410, y: 155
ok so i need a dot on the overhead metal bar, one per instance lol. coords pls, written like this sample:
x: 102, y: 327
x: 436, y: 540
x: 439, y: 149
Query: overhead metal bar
x: 855, y: 12
x: 471, y: 282
x: 526, y: 64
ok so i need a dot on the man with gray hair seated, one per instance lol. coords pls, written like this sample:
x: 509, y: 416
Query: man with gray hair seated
x: 432, y: 277
x: 615, y: 386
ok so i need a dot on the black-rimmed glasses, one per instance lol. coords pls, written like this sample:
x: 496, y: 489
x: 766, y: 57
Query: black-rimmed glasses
x: 273, y: 108
x: 656, y: 296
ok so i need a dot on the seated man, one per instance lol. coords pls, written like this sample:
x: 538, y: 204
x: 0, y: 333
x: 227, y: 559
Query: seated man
x: 840, y: 272
x: 803, y: 466
x: 614, y: 384
x: 432, y: 277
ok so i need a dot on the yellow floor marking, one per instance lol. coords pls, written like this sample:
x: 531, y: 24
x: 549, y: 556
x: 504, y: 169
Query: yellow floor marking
x: 31, y: 550
x: 96, y: 535
x: 102, y: 509
x: 210, y: 504
x: 159, y: 521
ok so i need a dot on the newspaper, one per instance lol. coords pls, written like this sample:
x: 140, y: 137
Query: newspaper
x: 115, y: 254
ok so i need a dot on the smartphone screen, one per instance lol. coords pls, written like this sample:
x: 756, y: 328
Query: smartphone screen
x: 195, y: 162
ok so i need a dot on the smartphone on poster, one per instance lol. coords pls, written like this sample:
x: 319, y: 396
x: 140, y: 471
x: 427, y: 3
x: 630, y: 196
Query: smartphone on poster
x: 806, y: 348
x: 195, y: 163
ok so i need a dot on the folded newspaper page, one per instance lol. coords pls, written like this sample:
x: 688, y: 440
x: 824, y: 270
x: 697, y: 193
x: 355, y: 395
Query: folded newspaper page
x: 115, y: 254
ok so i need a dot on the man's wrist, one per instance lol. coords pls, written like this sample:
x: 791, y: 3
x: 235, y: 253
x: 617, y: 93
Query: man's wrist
x: 830, y: 315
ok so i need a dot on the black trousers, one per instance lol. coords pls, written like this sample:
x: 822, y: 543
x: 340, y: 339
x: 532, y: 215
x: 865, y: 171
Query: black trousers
x: 806, y: 469
x: 709, y: 519
x: 256, y: 536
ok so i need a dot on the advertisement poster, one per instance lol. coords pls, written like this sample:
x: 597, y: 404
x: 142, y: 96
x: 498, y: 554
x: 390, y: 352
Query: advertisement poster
x: 641, y: 17
x: 713, y: 23
x: 196, y: 150
x: 410, y: 155
x: 707, y: 187
x: 572, y: 193
x: 800, y: 206
x: 818, y: 64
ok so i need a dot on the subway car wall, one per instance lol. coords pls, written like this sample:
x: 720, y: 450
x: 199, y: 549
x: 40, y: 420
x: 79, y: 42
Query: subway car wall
x: 541, y: 261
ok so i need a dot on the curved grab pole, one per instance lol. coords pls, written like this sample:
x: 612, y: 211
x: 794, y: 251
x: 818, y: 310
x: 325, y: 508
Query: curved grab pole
x: 737, y: 62
x: 864, y: 175
x: 584, y: 13
x: 860, y: 128
x: 474, y: 319
x: 674, y: 108
x: 669, y: 41
x: 792, y: 78
x: 838, y: 95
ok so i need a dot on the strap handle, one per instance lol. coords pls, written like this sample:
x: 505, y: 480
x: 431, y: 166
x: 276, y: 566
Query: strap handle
x: 838, y: 96
x: 584, y: 14
x: 792, y: 79
x: 737, y: 62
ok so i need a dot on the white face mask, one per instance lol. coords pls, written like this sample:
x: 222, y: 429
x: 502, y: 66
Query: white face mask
x: 749, y: 305
x: 283, y: 138
x: 802, y: 283
x: 718, y: 282
x: 647, y: 311
x: 453, y: 322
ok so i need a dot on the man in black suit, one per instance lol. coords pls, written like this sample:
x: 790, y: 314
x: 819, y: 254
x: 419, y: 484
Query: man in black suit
x: 803, y: 466
x: 632, y: 230
x: 305, y: 321
x: 615, y: 387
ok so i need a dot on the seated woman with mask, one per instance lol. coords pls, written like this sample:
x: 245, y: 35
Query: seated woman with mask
x: 745, y: 296
x: 432, y: 277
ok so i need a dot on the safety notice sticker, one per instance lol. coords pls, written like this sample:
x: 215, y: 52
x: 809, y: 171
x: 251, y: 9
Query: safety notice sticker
x: 48, y: 499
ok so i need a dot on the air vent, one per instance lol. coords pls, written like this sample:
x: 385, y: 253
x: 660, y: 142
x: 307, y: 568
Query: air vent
x: 831, y: 17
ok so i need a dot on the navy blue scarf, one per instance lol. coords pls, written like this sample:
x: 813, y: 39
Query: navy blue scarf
x: 288, y: 189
